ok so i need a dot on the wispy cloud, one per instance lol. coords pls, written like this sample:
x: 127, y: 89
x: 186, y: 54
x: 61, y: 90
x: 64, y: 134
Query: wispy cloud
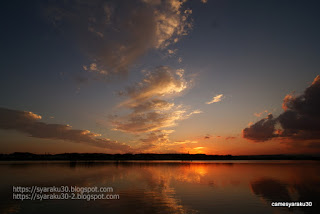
x: 199, y: 147
x: 216, y: 99
x: 149, y: 109
x: 116, y: 33
x: 162, y: 82
x: 28, y: 123
x: 151, y: 113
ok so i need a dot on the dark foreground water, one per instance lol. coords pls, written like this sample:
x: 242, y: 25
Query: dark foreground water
x: 167, y: 187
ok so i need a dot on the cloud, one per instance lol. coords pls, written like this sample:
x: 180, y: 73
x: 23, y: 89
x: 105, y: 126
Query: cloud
x: 114, y: 34
x: 153, y: 140
x: 230, y: 138
x: 28, y: 122
x: 208, y: 136
x: 150, y: 113
x: 149, y: 121
x: 161, y: 82
x: 172, y: 51
x: 152, y: 104
x: 188, y: 142
x: 199, y: 147
x: 260, y: 113
x: 159, y: 142
x: 300, y: 120
x: 262, y: 130
x: 216, y: 99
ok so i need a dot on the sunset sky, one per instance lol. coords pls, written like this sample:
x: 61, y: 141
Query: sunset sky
x: 164, y: 76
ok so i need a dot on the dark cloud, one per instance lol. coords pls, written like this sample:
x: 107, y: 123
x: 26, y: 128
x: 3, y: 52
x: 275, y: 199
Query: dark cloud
x: 262, y: 130
x: 28, y: 122
x: 300, y: 120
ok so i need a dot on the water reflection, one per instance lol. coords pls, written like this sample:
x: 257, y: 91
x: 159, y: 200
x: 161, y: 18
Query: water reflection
x: 271, y: 190
x: 167, y: 187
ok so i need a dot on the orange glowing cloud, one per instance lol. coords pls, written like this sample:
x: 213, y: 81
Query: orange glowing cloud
x: 261, y: 113
x: 151, y: 114
x: 287, y: 99
x: 216, y: 99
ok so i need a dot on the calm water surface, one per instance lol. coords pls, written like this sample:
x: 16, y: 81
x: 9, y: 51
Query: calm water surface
x: 168, y: 187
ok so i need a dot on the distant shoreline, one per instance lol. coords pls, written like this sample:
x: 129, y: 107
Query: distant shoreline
x: 25, y: 156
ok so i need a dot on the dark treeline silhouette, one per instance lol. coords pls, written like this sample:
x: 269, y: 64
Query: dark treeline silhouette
x: 148, y: 156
